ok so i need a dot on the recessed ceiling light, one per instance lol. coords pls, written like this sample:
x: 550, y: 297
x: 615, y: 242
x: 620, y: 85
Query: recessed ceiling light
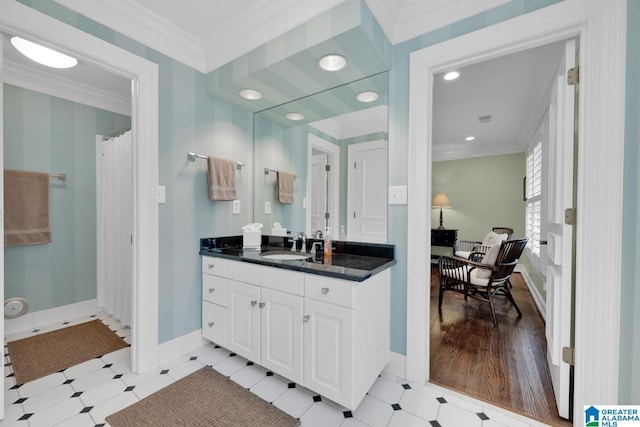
x: 250, y: 94
x: 451, y: 75
x: 470, y: 138
x: 43, y: 55
x: 367, y: 96
x: 295, y: 116
x: 332, y: 62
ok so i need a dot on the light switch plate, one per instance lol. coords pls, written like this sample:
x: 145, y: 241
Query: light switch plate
x: 162, y: 195
x: 398, y: 195
x: 267, y: 208
x: 236, y: 207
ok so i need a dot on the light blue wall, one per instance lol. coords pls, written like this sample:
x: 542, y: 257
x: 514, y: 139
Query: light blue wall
x: 630, y: 301
x: 47, y: 134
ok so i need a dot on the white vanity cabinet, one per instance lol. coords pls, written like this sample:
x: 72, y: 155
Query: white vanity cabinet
x: 264, y: 317
x: 329, y: 335
x: 214, y: 300
x: 346, y: 335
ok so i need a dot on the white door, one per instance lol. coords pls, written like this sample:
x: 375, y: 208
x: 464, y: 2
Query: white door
x: 560, y: 246
x: 281, y: 333
x: 367, y: 194
x: 327, y: 349
x: 243, y: 319
x: 318, y: 177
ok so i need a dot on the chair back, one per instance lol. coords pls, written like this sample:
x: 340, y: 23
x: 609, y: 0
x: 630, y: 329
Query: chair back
x: 504, y: 230
x: 508, y: 256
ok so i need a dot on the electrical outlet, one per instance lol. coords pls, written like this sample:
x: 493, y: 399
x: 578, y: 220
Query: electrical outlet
x: 267, y: 208
x: 236, y: 207
x: 162, y: 197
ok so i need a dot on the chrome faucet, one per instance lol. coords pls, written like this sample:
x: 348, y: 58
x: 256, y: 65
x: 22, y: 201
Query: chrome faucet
x: 302, y: 236
x: 317, y: 234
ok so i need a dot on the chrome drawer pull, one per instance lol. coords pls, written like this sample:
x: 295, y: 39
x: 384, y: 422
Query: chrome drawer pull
x: 261, y: 305
x: 211, y: 290
x: 325, y: 291
x: 211, y: 324
x: 306, y: 318
x: 253, y: 303
x: 211, y: 265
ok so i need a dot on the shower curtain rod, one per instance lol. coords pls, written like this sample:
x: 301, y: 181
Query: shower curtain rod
x: 116, y: 134
x: 193, y: 156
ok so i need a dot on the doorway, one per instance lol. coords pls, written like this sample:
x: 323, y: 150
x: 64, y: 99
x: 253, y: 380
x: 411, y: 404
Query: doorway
x: 26, y: 22
x: 323, y: 188
x: 600, y: 167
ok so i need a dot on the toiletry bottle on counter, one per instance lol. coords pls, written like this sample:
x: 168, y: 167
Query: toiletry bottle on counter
x: 327, y: 245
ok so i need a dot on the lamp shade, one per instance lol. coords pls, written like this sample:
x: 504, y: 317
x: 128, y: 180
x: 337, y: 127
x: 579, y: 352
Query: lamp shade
x: 441, y: 201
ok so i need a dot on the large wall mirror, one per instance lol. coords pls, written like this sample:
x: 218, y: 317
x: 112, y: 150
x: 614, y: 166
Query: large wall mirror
x: 335, y: 143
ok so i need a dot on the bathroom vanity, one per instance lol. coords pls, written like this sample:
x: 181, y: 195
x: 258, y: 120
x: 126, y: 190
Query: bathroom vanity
x: 322, y: 325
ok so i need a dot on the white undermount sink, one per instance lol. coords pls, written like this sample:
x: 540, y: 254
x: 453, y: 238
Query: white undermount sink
x: 286, y: 256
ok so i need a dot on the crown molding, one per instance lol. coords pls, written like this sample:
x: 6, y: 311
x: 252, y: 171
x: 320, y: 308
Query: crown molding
x: 145, y: 26
x: 40, y: 81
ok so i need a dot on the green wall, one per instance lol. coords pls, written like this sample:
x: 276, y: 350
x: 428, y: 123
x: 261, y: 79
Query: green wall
x: 47, y: 134
x: 484, y: 192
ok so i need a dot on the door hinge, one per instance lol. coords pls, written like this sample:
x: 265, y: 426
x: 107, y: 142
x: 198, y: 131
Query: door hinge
x: 570, y: 216
x: 327, y: 168
x: 573, y: 76
x: 569, y: 355
x: 354, y: 165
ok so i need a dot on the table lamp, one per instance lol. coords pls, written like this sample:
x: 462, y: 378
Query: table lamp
x: 440, y: 201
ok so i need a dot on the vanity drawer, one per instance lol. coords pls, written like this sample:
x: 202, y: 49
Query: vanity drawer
x: 329, y: 290
x: 214, y: 323
x: 214, y: 289
x: 216, y: 266
x: 267, y: 277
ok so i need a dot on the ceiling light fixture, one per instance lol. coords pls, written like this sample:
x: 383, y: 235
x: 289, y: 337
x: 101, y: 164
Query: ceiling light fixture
x: 470, y: 138
x: 367, y: 96
x: 295, y: 116
x: 43, y: 55
x: 332, y: 62
x: 250, y: 94
x: 451, y: 75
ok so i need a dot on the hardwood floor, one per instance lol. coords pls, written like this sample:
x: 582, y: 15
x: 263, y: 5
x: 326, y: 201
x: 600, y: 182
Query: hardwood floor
x: 505, y: 366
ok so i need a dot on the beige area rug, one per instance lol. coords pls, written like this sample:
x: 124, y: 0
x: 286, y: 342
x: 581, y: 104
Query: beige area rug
x: 203, y: 398
x: 44, y: 354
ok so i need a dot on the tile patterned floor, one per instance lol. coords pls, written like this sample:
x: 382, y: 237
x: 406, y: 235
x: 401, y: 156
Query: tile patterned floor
x: 84, y: 395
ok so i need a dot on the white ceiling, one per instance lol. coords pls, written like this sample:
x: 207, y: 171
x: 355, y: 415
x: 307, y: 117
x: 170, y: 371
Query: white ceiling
x: 207, y: 34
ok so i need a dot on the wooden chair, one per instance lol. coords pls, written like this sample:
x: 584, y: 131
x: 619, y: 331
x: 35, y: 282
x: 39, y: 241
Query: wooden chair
x: 483, y: 280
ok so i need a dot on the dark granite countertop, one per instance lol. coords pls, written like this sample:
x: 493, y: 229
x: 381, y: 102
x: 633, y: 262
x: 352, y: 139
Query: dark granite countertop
x: 349, y: 261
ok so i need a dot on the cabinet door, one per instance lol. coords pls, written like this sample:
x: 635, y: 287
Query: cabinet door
x: 281, y: 338
x: 243, y: 319
x: 327, y: 350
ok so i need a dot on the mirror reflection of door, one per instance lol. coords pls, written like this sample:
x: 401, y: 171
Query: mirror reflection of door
x: 318, y: 201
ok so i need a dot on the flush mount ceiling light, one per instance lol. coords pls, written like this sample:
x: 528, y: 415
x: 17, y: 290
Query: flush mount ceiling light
x: 470, y: 138
x: 295, y: 116
x: 332, y: 62
x: 451, y: 75
x: 43, y: 55
x: 367, y: 96
x: 250, y: 94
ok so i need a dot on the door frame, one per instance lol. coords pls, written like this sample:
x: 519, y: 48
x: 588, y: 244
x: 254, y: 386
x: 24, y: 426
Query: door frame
x: 601, y: 27
x: 20, y: 20
x: 333, y: 155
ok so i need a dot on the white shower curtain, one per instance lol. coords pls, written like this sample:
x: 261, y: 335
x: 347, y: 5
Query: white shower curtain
x: 114, y: 225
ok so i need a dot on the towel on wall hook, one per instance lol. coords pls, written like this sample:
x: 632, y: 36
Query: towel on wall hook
x: 222, y: 178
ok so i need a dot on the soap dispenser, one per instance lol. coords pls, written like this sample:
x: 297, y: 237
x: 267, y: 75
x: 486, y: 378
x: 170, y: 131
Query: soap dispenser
x: 327, y: 245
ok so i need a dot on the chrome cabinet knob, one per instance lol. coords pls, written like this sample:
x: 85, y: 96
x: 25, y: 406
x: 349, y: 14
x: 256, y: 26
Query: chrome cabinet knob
x: 261, y: 305
x: 325, y: 291
x: 211, y: 290
x: 211, y: 265
x: 211, y: 324
x: 253, y: 303
x: 306, y: 318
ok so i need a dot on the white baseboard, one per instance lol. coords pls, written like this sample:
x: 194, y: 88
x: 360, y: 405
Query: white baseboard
x: 180, y: 346
x: 537, y: 298
x: 38, y: 319
x: 397, y: 365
